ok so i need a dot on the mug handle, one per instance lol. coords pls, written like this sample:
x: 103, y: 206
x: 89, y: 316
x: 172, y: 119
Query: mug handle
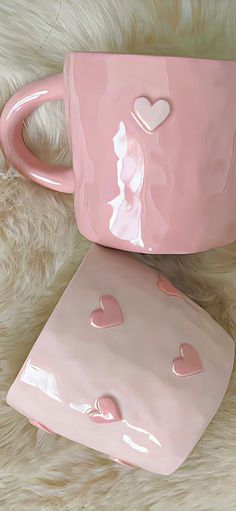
x: 17, y: 109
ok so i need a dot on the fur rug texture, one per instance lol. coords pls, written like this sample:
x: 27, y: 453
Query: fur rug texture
x: 40, y: 248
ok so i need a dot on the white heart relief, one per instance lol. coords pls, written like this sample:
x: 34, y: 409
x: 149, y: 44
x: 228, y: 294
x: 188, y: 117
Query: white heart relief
x: 151, y: 115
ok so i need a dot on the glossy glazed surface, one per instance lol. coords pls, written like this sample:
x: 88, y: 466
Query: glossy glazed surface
x: 170, y: 190
x: 18, y: 108
x: 108, y: 315
x: 153, y: 145
x: 117, y: 389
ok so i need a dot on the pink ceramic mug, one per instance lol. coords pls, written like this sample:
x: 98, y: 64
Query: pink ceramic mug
x: 153, y: 144
x: 126, y: 365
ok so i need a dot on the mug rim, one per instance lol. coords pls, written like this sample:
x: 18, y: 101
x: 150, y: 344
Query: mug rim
x: 150, y: 55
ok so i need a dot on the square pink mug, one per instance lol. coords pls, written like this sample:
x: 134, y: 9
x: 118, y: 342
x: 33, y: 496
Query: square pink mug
x: 126, y: 365
x: 153, y: 146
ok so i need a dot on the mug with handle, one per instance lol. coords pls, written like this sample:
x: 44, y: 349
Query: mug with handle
x: 153, y: 147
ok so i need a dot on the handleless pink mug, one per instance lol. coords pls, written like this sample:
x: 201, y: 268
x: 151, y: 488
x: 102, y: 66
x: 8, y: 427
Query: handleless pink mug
x: 153, y: 146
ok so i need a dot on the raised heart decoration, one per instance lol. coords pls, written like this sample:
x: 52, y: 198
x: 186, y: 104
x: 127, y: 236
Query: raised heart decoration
x: 151, y: 115
x: 189, y: 363
x: 105, y: 411
x: 109, y: 315
x: 168, y: 288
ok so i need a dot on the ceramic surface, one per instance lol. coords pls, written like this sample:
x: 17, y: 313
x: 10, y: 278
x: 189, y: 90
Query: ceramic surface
x: 142, y: 390
x: 153, y: 145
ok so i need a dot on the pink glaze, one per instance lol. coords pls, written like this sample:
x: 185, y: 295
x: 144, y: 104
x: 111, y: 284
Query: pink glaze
x: 123, y: 377
x: 109, y: 315
x: 122, y: 462
x: 166, y: 286
x: 40, y: 426
x: 153, y: 145
x: 189, y: 363
x: 106, y: 410
x: 18, y: 108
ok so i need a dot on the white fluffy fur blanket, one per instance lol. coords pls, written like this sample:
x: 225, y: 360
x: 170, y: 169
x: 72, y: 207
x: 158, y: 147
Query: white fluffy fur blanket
x: 40, y: 248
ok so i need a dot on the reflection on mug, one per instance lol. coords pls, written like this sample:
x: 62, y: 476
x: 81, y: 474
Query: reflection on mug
x: 125, y: 222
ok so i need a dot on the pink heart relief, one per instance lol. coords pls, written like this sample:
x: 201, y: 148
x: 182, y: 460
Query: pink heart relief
x: 166, y: 286
x: 151, y: 115
x: 109, y: 315
x: 189, y: 363
x: 141, y: 381
x: 106, y: 410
